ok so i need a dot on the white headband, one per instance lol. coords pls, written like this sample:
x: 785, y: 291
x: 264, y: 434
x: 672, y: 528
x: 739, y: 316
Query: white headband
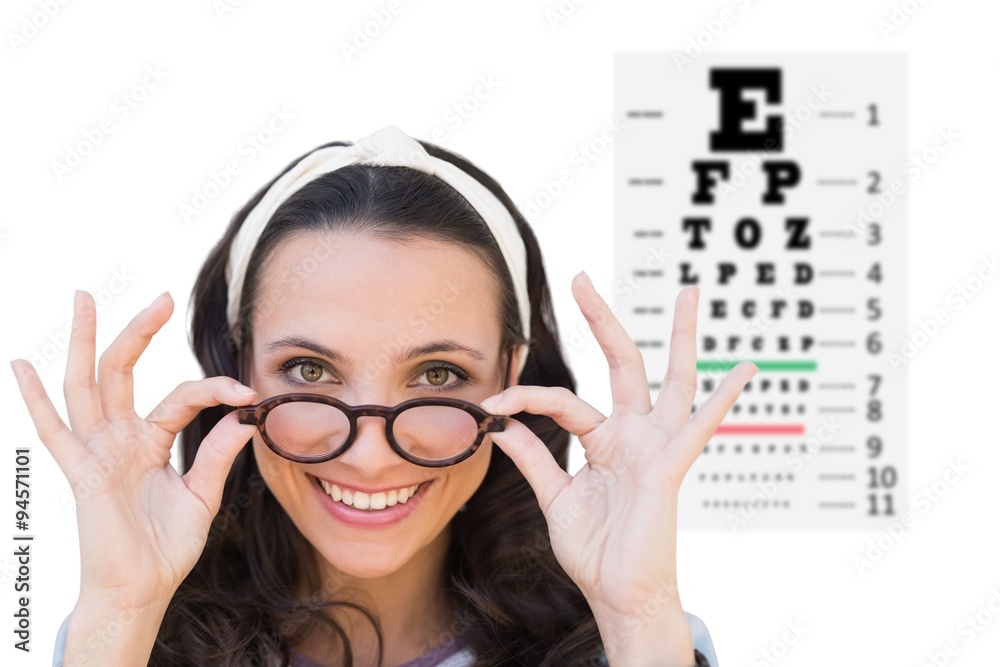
x: 389, y: 147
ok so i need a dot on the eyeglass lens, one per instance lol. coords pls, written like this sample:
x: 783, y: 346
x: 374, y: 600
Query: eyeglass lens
x: 427, y: 432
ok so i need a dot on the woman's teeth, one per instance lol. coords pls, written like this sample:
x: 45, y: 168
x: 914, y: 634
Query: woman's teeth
x: 368, y: 501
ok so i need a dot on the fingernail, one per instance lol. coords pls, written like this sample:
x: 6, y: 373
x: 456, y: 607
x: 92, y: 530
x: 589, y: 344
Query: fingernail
x: 243, y: 389
x: 157, y: 300
x: 587, y: 278
x: 77, y: 298
x: 492, y: 401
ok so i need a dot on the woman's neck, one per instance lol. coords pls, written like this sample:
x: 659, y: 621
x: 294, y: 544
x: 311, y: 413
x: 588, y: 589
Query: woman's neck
x: 411, y: 604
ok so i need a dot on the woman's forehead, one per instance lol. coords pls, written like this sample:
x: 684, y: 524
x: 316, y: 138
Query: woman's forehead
x: 368, y: 292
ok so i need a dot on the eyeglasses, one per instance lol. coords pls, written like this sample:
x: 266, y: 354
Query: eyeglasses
x: 430, y: 432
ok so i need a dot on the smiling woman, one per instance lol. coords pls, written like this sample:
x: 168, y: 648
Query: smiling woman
x: 385, y: 310
x: 353, y: 302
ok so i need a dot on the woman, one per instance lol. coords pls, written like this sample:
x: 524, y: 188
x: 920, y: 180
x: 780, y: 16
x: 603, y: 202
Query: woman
x: 371, y: 276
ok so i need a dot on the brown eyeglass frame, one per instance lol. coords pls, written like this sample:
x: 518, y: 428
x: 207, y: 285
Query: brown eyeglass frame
x: 256, y: 415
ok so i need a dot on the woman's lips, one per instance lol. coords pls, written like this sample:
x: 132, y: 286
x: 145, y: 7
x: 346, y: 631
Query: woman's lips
x: 370, y: 516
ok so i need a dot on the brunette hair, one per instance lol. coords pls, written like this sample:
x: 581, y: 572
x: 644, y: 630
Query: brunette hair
x: 242, y: 604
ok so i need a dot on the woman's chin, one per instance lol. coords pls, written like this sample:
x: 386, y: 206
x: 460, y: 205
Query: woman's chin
x: 370, y: 561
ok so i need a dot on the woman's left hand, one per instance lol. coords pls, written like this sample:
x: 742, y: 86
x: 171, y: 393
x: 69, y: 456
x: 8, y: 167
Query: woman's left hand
x: 613, y: 525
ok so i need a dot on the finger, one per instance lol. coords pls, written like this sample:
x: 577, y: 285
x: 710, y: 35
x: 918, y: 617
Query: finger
x: 545, y: 477
x: 64, y: 446
x: 114, y: 379
x: 629, y: 386
x: 706, y: 419
x: 214, y: 459
x: 83, y: 402
x: 184, y: 403
x: 673, y: 405
x: 566, y: 408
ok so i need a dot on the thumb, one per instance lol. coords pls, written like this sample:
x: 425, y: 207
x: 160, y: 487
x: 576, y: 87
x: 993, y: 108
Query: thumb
x: 546, y: 478
x: 214, y: 459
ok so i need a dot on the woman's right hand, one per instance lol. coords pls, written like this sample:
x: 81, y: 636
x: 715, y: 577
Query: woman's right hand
x: 142, y: 526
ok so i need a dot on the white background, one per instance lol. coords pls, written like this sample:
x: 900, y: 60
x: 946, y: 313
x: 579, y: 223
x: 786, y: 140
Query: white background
x: 226, y: 73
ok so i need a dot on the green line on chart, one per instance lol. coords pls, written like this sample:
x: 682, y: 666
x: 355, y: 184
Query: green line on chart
x: 712, y: 365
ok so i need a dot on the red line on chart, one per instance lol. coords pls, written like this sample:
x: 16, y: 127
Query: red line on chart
x: 760, y: 429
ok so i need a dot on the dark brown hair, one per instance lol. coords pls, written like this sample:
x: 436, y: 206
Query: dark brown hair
x: 242, y: 604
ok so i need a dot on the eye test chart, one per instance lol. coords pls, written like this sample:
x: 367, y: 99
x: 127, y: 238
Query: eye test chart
x: 776, y: 183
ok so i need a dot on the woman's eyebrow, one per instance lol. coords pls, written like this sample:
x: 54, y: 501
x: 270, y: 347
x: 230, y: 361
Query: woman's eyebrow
x: 444, y: 345
x: 305, y: 343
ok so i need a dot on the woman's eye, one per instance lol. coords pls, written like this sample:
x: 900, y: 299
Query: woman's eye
x: 309, y: 371
x: 437, y: 376
x: 444, y: 377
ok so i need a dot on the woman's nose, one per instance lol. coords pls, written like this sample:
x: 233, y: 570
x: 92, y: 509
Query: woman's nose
x: 370, y: 452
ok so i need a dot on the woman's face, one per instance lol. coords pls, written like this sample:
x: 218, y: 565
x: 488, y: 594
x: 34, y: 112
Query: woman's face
x: 369, y: 320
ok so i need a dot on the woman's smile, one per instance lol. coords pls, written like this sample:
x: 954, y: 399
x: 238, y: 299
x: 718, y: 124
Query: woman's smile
x: 377, y: 509
x: 366, y: 498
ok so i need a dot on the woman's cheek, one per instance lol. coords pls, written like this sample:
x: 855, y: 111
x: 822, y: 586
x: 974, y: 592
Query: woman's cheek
x: 274, y: 469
